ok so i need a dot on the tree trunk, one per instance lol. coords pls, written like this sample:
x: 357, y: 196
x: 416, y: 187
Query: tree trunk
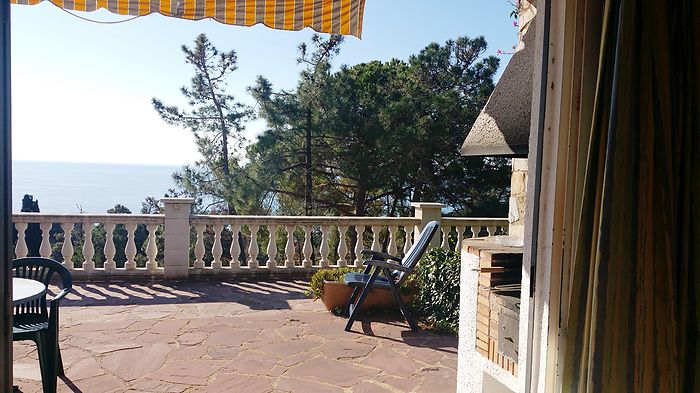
x: 224, y: 139
x: 361, y: 201
x: 230, y: 207
x: 308, y: 166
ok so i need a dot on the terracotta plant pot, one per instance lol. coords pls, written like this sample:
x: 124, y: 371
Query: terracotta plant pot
x: 336, y: 294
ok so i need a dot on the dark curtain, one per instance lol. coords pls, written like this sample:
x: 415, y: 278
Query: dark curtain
x: 634, y: 302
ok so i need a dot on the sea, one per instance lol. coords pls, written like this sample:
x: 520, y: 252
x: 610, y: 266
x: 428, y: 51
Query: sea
x: 73, y: 188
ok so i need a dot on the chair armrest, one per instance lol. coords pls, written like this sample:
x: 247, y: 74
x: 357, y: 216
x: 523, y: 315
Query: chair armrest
x: 378, y: 255
x: 60, y: 295
x: 388, y: 265
x: 53, y: 307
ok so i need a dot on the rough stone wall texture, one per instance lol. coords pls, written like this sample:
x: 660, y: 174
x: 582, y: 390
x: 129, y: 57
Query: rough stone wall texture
x: 503, y: 126
x: 518, y: 192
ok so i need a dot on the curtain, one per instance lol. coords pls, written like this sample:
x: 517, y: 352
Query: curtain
x: 634, y: 300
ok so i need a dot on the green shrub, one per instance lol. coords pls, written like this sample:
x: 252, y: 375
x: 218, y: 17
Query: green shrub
x: 316, y: 282
x: 437, y: 298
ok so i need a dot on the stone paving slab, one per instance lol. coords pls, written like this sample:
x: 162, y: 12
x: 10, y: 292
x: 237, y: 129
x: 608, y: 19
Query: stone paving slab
x: 215, y: 336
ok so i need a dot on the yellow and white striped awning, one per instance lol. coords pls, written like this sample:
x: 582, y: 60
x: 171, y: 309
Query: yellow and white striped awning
x: 326, y: 16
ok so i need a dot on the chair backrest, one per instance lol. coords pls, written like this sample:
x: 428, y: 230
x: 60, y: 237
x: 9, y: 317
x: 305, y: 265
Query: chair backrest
x: 410, y: 260
x: 42, y: 270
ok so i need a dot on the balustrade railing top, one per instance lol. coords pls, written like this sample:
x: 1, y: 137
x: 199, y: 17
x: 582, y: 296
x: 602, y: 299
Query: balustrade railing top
x: 308, y: 220
x: 31, y: 218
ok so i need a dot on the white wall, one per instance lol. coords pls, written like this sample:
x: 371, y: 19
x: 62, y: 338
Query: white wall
x: 471, y: 365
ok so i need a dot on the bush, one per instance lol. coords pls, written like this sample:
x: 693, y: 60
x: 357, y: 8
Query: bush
x: 316, y: 283
x: 437, y: 300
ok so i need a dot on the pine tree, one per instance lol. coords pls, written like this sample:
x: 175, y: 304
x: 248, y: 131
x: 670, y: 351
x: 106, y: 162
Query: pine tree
x: 216, y: 119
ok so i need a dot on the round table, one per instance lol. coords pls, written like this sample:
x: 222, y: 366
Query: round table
x: 24, y: 290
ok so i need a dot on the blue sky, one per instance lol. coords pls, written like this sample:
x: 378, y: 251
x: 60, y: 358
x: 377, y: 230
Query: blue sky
x: 82, y: 91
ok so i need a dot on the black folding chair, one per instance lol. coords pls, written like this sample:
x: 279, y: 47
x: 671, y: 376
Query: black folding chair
x: 394, y: 274
x: 32, y: 321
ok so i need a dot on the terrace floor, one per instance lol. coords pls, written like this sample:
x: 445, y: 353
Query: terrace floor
x: 214, y: 336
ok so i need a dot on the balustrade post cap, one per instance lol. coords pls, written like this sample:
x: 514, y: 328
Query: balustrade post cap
x: 422, y: 205
x: 177, y: 200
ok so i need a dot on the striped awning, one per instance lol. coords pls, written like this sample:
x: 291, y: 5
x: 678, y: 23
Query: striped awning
x: 326, y: 16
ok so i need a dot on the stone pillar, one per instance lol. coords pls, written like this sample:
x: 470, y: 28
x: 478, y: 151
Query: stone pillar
x: 516, y: 203
x: 176, y: 261
x: 428, y: 211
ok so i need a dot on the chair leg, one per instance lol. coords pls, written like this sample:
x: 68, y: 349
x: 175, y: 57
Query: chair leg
x: 351, y: 300
x: 47, y: 359
x: 53, y: 364
x: 355, y: 292
x: 58, y: 365
x: 402, y: 306
x: 355, y: 308
x: 51, y: 345
x: 41, y: 354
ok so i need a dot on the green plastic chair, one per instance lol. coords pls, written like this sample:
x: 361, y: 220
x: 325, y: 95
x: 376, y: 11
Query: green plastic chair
x: 33, y: 321
x: 394, y: 274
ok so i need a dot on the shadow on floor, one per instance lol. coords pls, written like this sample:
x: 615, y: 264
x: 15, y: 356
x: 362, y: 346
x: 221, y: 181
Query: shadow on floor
x: 376, y: 326
x: 73, y: 388
x: 259, y: 295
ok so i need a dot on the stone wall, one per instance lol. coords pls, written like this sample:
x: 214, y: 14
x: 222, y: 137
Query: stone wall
x: 518, y: 191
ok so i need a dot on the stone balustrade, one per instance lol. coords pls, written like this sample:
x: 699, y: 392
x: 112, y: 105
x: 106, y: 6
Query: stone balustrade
x: 456, y: 229
x: 296, y: 243
x: 79, y: 254
x: 179, y: 245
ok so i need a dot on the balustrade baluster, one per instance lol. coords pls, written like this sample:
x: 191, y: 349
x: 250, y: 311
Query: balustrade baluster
x: 376, y: 230
x: 199, y: 246
x: 342, y: 247
x: 253, y: 249
x: 216, y: 250
x: 408, y: 242
x: 289, y: 248
x: 152, y: 248
x: 392, y: 232
x: 21, y: 250
x: 272, y: 247
x: 67, y: 249
x: 324, y: 250
x: 45, y: 248
x: 130, y: 251
x: 445, y: 245
x: 492, y: 230
x: 110, y: 251
x: 308, y: 247
x: 475, y: 230
x: 235, y: 248
x: 88, y: 247
x: 359, y: 246
x: 460, y: 238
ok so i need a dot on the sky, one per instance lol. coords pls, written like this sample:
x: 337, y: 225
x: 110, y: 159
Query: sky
x: 81, y: 91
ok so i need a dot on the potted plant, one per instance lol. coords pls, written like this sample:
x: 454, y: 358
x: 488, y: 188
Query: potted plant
x: 329, y: 286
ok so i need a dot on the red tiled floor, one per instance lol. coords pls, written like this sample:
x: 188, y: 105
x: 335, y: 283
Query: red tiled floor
x: 213, y: 336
